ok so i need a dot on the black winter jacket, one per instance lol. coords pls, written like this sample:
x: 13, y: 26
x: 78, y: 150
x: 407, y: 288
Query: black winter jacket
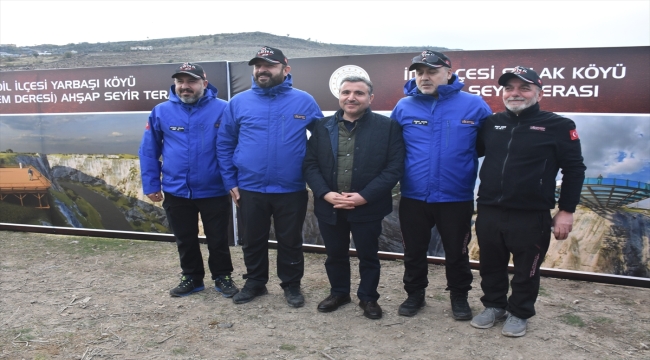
x: 523, y: 154
x: 377, y: 166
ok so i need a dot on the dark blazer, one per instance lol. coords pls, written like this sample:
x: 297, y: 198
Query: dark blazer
x: 378, y: 165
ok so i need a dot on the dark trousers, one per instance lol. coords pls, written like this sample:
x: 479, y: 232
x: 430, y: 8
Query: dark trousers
x: 288, y: 211
x: 454, y: 221
x: 183, y: 217
x: 337, y: 244
x: 525, y: 234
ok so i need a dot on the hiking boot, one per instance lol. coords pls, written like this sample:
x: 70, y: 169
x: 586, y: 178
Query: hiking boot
x: 186, y: 287
x: 249, y: 292
x: 488, y: 317
x: 514, y: 326
x: 294, y: 296
x: 460, y: 309
x: 413, y: 303
x: 225, y: 285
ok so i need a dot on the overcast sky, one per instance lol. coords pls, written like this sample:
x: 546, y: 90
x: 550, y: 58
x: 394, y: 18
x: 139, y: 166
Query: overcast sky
x: 468, y: 25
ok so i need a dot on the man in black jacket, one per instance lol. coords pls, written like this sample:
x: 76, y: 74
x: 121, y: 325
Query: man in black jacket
x: 354, y: 159
x: 524, y: 148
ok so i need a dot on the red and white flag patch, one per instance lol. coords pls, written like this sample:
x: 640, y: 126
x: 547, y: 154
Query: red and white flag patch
x: 574, y: 134
x: 147, y: 127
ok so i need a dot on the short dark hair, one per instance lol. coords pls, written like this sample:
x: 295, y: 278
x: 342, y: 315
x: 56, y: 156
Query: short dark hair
x: 362, y: 79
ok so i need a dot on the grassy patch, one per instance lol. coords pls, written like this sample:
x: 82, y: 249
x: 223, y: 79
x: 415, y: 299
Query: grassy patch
x: 93, y: 218
x: 126, y: 203
x: 12, y: 213
x: 91, y: 246
x: 179, y: 351
x: 572, y: 319
x: 602, y: 320
x: 635, y: 210
x: 24, y: 334
x: 241, y: 355
x: 627, y: 302
x: 287, y: 347
x: 543, y: 292
x: 440, y: 297
x: 8, y: 158
x: 127, y: 156
x: 74, y: 206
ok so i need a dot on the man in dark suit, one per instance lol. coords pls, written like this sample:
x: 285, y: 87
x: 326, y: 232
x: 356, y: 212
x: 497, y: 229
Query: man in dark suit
x: 354, y: 159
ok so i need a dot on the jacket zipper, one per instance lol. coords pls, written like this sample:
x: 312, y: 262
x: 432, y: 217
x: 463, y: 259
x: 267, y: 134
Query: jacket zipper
x: 503, y: 169
x: 447, y: 139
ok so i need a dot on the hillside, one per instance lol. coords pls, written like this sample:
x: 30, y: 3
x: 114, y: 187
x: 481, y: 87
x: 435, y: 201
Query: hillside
x: 232, y: 47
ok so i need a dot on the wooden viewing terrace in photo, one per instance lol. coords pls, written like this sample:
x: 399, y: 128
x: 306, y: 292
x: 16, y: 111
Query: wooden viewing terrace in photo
x: 16, y: 182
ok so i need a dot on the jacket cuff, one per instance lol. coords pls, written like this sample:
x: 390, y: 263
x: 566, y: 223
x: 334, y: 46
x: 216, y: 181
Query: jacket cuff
x: 570, y: 209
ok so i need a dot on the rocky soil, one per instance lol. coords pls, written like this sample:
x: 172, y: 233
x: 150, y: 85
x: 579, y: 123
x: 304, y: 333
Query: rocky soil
x: 84, y: 298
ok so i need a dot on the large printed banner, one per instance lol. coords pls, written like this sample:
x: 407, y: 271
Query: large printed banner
x: 594, y: 80
x: 104, y: 89
x: 69, y: 141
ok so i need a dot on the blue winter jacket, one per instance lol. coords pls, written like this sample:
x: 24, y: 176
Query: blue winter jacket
x: 263, y: 138
x: 440, y: 139
x: 185, y: 135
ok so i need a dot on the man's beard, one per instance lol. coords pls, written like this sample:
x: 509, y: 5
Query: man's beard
x: 521, y: 107
x: 271, y: 82
x: 189, y: 99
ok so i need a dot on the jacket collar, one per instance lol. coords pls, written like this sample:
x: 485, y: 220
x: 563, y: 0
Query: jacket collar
x: 285, y: 86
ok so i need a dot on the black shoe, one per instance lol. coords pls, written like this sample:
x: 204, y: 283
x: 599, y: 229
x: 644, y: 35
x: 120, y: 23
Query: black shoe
x: 333, y: 302
x: 186, y: 287
x: 225, y: 285
x: 412, y: 304
x: 460, y: 307
x: 249, y: 292
x: 371, y: 309
x: 294, y: 296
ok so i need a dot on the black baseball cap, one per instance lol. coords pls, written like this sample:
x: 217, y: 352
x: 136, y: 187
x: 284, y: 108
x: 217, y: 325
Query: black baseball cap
x: 430, y: 58
x: 193, y: 70
x: 269, y: 54
x: 523, y: 73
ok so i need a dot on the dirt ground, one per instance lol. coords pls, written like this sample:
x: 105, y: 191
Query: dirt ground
x: 66, y: 297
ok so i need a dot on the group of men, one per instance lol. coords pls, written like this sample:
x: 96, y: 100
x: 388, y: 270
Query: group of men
x: 255, y: 148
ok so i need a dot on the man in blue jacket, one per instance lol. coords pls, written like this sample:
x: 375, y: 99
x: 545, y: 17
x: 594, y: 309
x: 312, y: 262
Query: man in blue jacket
x: 183, y: 130
x: 354, y: 160
x: 261, y: 147
x: 440, y: 124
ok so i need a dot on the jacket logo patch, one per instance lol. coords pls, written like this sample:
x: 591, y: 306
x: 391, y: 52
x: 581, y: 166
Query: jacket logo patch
x: 538, y: 128
x: 574, y: 134
x: 470, y: 122
x: 301, y: 117
x: 421, y: 122
x: 177, y: 128
x: 499, y: 127
x: 147, y: 127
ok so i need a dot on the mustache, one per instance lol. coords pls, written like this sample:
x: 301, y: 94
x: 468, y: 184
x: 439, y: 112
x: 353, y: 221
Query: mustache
x: 266, y: 73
